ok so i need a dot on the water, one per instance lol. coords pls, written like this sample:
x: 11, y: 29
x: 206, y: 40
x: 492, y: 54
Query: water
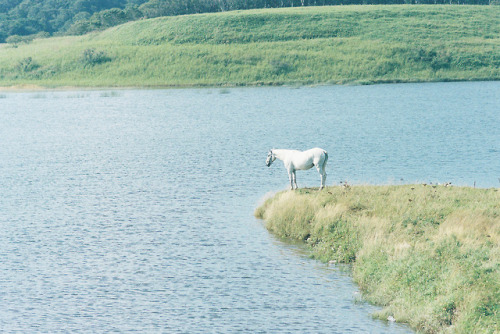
x: 133, y: 210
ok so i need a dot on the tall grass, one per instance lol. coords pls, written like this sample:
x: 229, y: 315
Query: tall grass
x: 429, y: 255
x: 359, y: 44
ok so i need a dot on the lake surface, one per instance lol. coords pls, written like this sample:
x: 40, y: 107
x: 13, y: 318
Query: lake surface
x: 132, y: 210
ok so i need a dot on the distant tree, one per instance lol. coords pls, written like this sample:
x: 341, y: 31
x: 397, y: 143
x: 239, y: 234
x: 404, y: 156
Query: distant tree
x: 80, y: 28
x: 6, y: 5
x: 108, y: 18
x: 155, y: 8
x: 133, y: 13
x: 81, y: 16
x: 60, y: 19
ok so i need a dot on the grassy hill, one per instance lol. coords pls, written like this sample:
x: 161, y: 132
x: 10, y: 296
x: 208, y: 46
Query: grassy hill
x: 430, y: 255
x: 343, y: 44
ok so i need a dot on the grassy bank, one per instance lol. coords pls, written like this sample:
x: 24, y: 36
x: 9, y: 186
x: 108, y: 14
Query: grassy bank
x: 344, y: 44
x: 430, y: 255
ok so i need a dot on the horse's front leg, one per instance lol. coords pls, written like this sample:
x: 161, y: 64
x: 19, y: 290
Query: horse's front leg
x: 295, y: 179
x: 290, y: 177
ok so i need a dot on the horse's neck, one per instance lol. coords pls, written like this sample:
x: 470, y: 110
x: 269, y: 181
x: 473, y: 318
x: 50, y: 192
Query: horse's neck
x: 281, y: 154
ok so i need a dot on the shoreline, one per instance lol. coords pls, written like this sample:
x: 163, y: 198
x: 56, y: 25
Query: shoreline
x: 429, y: 255
x: 22, y: 88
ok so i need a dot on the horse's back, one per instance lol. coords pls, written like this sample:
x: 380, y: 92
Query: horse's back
x: 318, y: 152
x: 320, y: 155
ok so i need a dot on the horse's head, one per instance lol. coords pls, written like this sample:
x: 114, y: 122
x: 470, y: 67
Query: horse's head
x: 270, y: 158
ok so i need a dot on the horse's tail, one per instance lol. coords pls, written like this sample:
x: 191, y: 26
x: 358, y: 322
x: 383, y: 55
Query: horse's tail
x: 326, y: 158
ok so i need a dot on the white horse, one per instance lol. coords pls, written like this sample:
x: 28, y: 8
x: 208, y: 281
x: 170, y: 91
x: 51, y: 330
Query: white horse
x: 300, y: 160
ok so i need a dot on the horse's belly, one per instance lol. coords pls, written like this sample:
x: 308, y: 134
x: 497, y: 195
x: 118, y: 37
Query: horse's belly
x: 305, y: 166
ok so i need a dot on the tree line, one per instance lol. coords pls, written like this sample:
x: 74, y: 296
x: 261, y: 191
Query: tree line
x: 23, y: 20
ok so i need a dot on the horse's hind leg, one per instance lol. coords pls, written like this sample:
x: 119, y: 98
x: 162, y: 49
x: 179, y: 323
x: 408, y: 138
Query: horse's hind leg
x: 323, y: 179
x: 295, y: 180
x: 322, y: 173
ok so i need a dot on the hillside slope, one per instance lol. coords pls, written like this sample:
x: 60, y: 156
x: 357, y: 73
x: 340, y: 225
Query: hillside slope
x: 360, y: 44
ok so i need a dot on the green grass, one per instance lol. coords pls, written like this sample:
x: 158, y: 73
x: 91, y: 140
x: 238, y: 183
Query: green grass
x: 430, y: 255
x: 336, y: 45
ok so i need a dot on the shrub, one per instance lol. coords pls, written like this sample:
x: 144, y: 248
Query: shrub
x: 436, y: 59
x: 91, y: 57
x: 279, y: 67
x: 26, y: 65
x: 16, y: 39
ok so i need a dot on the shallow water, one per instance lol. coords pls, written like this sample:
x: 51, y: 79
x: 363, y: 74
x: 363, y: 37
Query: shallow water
x: 132, y: 210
